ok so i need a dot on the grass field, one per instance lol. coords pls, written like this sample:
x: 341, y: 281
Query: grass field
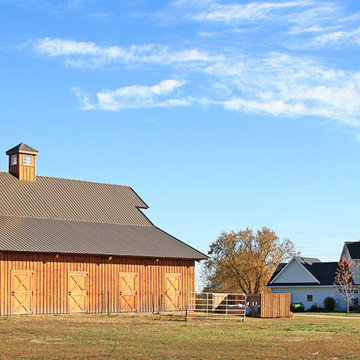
x: 149, y: 337
x: 331, y: 313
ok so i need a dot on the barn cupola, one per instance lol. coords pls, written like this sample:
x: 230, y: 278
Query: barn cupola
x: 22, y: 162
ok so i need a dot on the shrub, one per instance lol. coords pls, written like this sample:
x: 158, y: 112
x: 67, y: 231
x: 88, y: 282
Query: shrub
x: 315, y: 308
x: 329, y: 303
x: 297, y: 307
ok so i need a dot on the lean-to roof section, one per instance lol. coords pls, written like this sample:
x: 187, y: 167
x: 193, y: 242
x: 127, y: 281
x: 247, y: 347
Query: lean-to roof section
x: 74, y: 237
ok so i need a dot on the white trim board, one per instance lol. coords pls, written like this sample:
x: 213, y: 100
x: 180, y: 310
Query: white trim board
x: 300, y: 286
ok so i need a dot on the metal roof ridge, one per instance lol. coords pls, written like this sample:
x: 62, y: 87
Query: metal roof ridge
x: 77, y: 180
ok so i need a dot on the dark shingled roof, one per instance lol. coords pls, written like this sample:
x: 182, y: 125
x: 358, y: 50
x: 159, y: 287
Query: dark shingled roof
x: 275, y: 273
x: 354, y: 249
x: 22, y: 148
x: 324, y: 272
x: 80, y: 217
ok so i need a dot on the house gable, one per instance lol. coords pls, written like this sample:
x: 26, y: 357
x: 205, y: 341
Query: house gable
x: 294, y: 272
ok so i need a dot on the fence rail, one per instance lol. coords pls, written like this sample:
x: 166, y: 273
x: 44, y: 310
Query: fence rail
x: 215, y: 306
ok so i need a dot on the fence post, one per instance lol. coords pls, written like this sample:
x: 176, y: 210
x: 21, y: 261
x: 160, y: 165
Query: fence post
x: 108, y: 302
x: 207, y: 305
x: 226, y: 306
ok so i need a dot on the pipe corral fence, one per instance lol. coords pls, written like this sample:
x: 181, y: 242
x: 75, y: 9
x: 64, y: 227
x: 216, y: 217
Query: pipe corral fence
x: 235, y: 305
x: 215, y: 306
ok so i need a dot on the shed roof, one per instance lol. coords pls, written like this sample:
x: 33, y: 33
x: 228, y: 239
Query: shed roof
x: 74, y: 237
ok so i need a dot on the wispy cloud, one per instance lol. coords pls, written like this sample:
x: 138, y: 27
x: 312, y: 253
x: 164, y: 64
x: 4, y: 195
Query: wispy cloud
x: 89, y: 55
x: 337, y: 38
x: 321, y: 22
x: 162, y: 94
x: 290, y: 86
x: 277, y: 85
x: 278, y: 75
x: 253, y: 11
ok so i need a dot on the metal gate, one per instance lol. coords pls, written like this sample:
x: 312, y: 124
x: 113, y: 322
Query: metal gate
x: 216, y: 305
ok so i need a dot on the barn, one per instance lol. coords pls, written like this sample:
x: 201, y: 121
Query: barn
x: 69, y: 246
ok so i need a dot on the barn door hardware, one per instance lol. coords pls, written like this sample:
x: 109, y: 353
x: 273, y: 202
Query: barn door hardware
x: 69, y: 292
x: 13, y: 293
x: 128, y: 293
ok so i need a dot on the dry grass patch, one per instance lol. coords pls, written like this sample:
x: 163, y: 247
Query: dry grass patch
x: 149, y: 337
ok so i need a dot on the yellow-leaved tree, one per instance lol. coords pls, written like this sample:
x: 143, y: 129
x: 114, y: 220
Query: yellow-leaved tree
x: 244, y: 261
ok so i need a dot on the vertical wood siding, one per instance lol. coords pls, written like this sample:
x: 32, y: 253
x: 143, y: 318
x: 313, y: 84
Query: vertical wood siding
x: 275, y: 305
x: 51, y: 281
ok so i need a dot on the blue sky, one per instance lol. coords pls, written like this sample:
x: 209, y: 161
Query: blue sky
x: 220, y: 114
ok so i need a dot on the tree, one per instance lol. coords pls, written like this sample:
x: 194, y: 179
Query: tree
x: 344, y: 280
x: 244, y: 261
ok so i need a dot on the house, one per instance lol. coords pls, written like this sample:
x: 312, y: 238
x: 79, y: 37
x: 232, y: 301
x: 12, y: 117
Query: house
x: 308, y: 280
x: 351, y: 250
x: 70, y: 246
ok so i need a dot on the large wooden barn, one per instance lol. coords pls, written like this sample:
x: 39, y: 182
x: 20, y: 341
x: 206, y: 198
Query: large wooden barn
x: 71, y: 246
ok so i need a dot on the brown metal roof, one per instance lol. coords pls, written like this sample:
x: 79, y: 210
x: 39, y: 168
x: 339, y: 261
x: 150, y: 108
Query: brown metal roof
x: 74, y: 237
x: 63, y: 199
x: 79, y: 217
x: 22, y: 148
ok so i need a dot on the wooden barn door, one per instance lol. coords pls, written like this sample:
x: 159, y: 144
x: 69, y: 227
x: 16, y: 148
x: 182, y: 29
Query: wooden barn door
x: 77, y: 292
x: 22, y: 292
x: 172, y: 293
x: 128, y: 300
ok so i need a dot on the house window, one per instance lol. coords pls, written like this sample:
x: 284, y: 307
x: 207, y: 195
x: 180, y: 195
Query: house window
x: 13, y: 159
x: 309, y: 297
x: 27, y: 160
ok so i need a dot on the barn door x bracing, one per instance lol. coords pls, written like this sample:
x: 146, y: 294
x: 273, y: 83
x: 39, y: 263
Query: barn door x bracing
x: 77, y: 292
x: 172, y: 293
x: 127, y: 291
x: 21, y: 292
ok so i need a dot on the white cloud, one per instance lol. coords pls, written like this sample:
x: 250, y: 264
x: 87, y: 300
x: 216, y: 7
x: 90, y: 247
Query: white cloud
x: 277, y: 85
x: 239, y: 72
x: 88, y: 54
x: 290, y: 86
x: 135, y: 96
x: 253, y: 11
x: 338, y: 38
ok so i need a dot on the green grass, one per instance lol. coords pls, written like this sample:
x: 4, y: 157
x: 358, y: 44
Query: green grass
x: 330, y: 313
x: 149, y: 337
